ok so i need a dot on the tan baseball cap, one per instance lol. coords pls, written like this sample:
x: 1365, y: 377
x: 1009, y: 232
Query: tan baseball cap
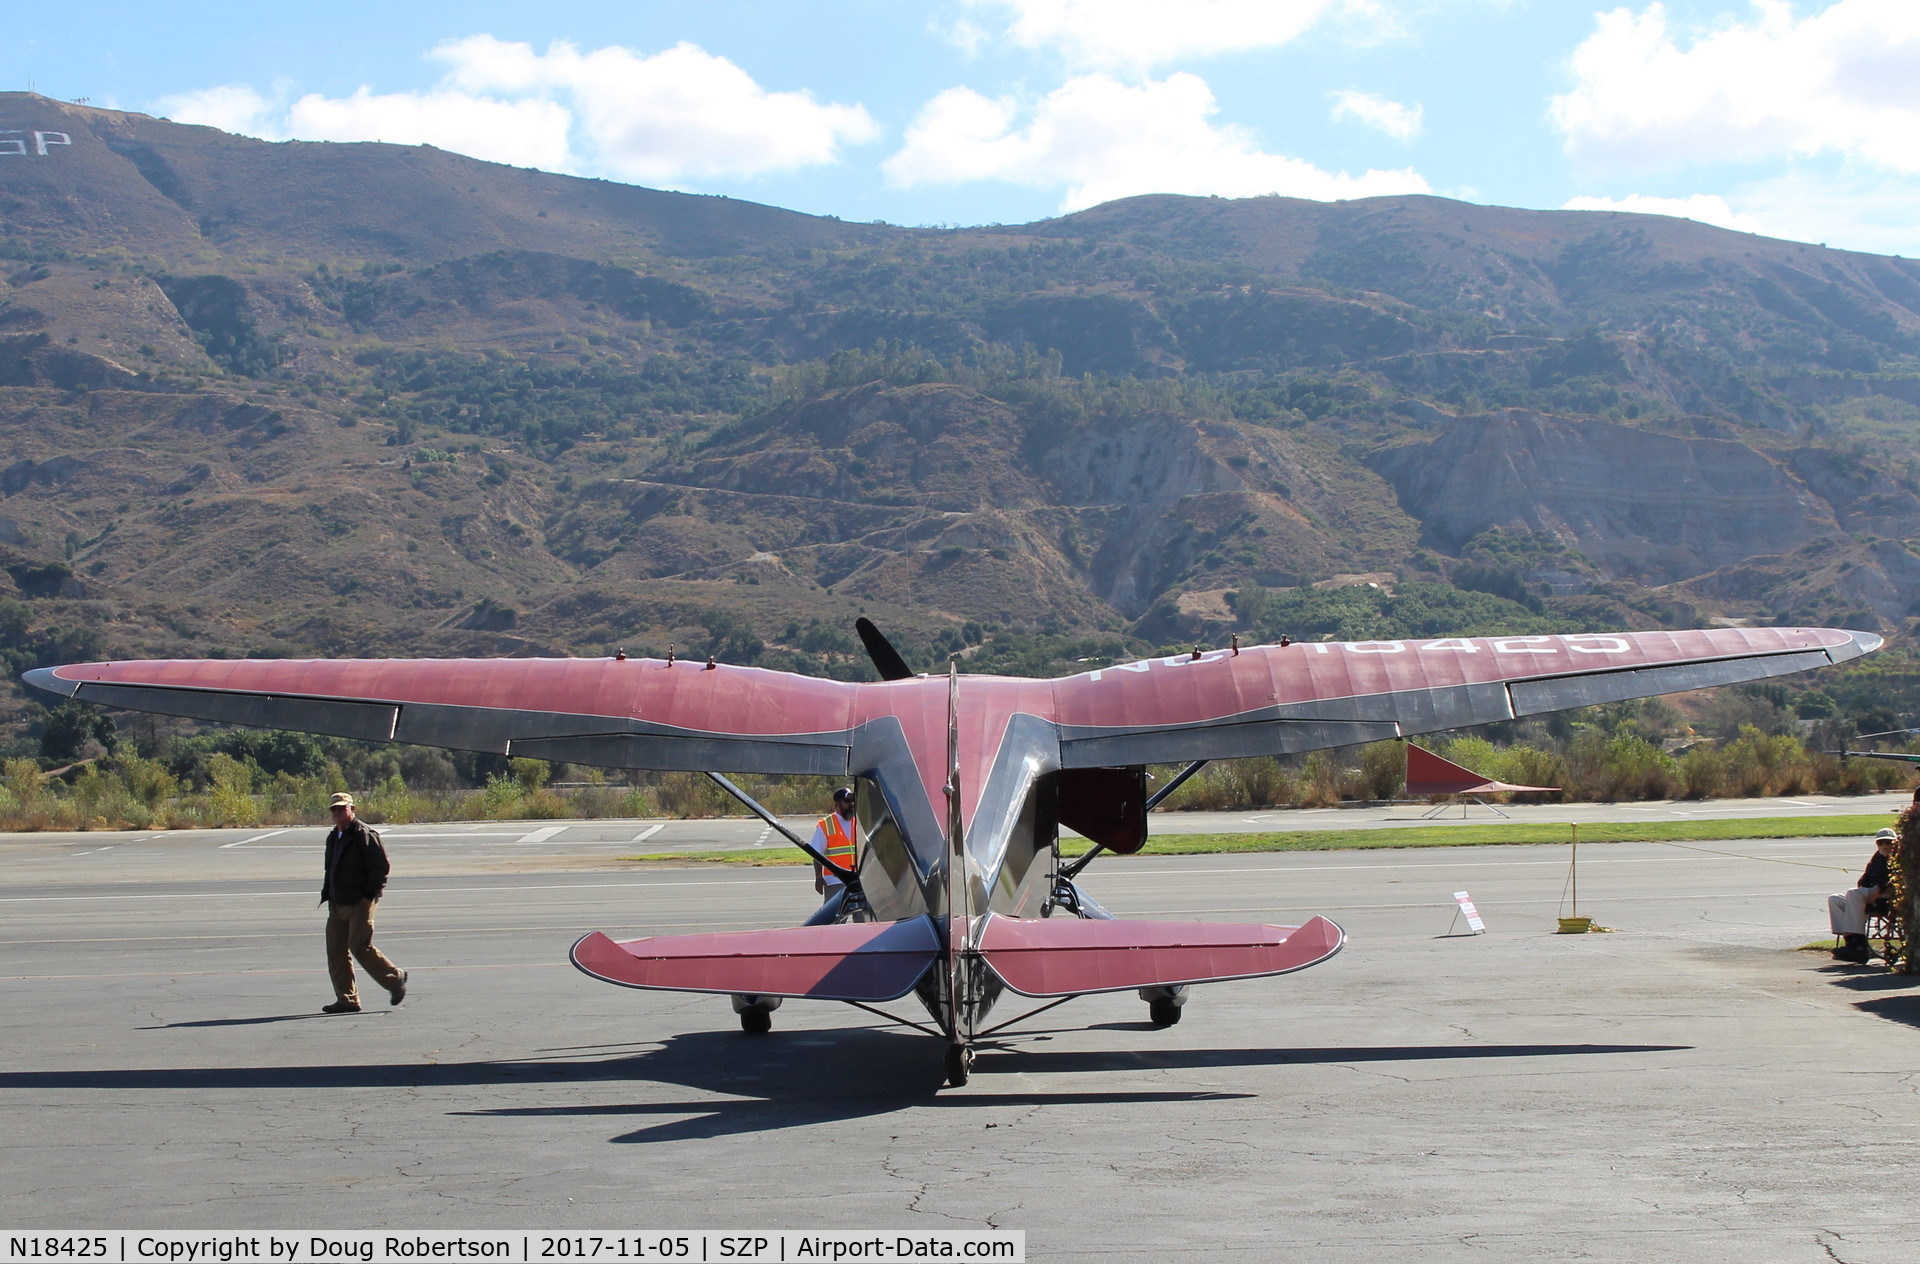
x: 341, y: 800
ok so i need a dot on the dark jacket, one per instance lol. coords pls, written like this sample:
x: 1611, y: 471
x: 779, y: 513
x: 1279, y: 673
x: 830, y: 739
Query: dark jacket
x: 1876, y: 874
x: 356, y: 867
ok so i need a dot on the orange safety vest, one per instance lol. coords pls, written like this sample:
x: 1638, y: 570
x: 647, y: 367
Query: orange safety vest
x: 843, y: 848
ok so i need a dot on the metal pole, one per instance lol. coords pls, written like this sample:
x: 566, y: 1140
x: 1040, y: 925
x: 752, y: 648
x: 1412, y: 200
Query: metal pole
x: 1576, y: 868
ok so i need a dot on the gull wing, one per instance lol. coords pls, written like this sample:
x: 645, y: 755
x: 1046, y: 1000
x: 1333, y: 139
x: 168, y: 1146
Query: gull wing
x: 618, y: 713
x: 1276, y: 699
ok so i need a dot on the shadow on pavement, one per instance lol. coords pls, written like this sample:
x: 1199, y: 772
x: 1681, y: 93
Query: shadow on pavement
x: 1181, y: 1059
x: 1895, y: 997
x: 239, y: 1022
x: 769, y: 1083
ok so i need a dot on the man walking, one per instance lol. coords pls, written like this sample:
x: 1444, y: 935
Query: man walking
x: 356, y: 874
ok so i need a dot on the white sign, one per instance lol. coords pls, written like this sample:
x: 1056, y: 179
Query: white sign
x: 1473, y: 914
x: 14, y: 142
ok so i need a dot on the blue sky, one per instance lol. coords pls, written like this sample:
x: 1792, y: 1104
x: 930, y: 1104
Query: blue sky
x: 1797, y: 119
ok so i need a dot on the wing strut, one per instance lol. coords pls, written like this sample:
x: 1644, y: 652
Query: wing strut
x: 1176, y: 783
x: 846, y: 875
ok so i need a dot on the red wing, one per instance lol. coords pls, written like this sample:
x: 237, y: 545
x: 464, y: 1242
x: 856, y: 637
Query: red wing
x: 1074, y: 956
x: 857, y: 961
x: 1275, y: 699
x: 623, y: 713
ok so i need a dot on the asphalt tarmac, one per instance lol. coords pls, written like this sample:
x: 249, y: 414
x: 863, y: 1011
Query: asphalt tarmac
x: 1689, y: 1087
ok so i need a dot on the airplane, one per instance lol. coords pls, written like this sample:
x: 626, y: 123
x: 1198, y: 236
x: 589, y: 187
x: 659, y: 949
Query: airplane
x: 963, y: 783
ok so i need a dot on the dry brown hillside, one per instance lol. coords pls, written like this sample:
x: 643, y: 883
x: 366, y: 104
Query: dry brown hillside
x: 306, y: 398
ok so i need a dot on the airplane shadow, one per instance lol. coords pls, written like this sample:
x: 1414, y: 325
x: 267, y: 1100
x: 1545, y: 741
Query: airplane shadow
x: 764, y: 1084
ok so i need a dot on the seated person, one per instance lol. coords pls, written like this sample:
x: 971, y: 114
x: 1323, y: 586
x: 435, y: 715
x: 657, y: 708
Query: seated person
x: 1847, y: 910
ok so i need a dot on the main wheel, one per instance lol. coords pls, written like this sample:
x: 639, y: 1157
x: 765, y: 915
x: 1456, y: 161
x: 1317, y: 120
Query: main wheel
x: 756, y: 1021
x: 1162, y: 1011
x: 959, y: 1064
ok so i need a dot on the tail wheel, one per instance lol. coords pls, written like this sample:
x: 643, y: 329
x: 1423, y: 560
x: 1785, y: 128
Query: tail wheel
x: 959, y: 1064
x: 1162, y: 1011
x: 756, y: 1021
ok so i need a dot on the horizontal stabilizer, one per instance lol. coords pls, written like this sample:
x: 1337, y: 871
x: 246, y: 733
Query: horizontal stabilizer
x: 1073, y: 956
x: 856, y: 961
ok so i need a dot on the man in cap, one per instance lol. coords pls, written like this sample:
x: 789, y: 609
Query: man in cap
x: 356, y: 874
x: 837, y: 838
x: 1847, y: 910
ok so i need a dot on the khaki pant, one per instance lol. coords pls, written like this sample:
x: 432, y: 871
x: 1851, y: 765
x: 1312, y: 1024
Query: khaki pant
x: 1847, y: 911
x: 350, y: 930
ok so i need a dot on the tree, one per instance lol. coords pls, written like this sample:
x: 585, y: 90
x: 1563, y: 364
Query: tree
x: 70, y: 727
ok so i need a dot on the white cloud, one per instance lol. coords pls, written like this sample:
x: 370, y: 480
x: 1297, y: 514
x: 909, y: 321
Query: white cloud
x: 1142, y: 33
x: 679, y: 113
x: 1844, y: 80
x: 676, y: 115
x: 1099, y: 139
x: 232, y: 107
x: 1402, y: 122
x: 1706, y: 208
x: 526, y: 132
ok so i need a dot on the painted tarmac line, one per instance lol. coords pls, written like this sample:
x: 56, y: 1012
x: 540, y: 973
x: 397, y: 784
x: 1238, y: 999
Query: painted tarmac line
x: 125, y: 842
x: 256, y: 838
x: 646, y: 833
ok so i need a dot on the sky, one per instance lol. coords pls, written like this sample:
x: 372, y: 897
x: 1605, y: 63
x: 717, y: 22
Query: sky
x: 1793, y: 118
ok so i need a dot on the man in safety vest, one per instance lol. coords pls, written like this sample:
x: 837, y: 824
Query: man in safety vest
x: 837, y: 838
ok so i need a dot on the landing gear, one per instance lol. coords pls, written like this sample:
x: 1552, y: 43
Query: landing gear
x: 1163, y: 1003
x: 756, y: 1013
x: 959, y: 1064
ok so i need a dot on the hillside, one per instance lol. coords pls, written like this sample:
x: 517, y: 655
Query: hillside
x: 315, y: 398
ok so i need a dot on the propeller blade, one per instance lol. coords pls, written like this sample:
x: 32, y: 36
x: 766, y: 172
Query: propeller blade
x: 886, y: 659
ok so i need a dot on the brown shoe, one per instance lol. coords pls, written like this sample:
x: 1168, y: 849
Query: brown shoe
x: 398, y: 992
x: 341, y: 1007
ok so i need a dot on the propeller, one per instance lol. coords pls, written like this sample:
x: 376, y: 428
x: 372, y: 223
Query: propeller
x: 886, y: 659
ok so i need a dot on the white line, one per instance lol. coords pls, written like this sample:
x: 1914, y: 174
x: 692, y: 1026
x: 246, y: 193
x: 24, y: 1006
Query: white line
x: 455, y: 834
x: 256, y: 838
x: 647, y: 833
x: 542, y: 835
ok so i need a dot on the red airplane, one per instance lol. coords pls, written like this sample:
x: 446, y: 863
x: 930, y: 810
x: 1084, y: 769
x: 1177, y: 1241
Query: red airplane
x: 963, y: 782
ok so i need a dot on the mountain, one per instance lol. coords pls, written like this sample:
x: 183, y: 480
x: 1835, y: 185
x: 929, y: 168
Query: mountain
x: 303, y: 398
